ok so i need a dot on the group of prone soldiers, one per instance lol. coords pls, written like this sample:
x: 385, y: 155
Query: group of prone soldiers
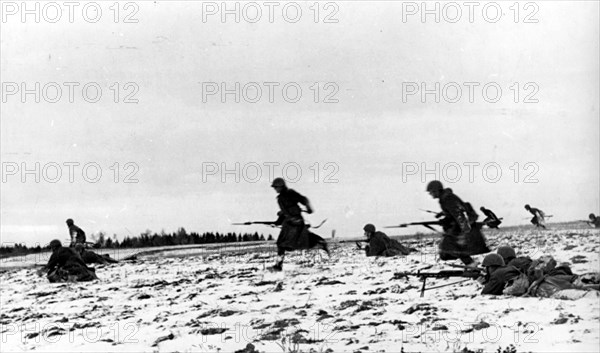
x: 67, y: 264
x: 505, y: 273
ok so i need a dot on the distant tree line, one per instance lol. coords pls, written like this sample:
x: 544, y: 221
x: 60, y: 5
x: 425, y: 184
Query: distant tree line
x: 146, y: 239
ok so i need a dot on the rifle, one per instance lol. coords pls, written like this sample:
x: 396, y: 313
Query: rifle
x: 548, y: 216
x: 437, y: 214
x: 585, y: 221
x: 270, y: 223
x: 362, y: 240
x: 426, y: 224
x: 467, y: 273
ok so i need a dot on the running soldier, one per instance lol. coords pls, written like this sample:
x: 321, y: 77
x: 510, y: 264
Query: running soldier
x: 538, y: 217
x: 77, y: 234
x: 295, y: 234
x: 462, y: 236
x: 490, y: 218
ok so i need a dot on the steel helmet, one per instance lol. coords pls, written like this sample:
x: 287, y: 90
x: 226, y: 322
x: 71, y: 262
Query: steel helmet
x: 55, y: 244
x: 369, y: 228
x: 278, y: 182
x: 434, y: 185
x: 493, y: 260
x: 506, y: 252
x: 69, y: 221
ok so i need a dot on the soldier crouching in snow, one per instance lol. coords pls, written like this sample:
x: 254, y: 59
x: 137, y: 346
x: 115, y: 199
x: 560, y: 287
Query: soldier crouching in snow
x: 594, y: 220
x: 381, y: 245
x: 295, y: 234
x: 462, y: 236
x: 65, y: 264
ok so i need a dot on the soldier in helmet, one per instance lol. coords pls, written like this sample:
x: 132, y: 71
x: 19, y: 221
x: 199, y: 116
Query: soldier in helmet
x: 295, y: 234
x: 490, y: 218
x: 462, y: 236
x: 381, y: 245
x: 509, y: 256
x: 66, y: 264
x: 594, y: 220
x: 77, y: 234
x: 498, y: 275
x: 538, y: 217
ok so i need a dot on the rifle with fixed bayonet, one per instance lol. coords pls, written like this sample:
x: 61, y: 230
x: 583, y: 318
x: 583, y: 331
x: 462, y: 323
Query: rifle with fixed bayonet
x: 468, y: 273
x: 437, y: 214
x: 270, y: 223
x: 426, y: 224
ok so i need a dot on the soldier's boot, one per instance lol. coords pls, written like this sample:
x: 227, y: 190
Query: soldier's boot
x: 275, y: 268
x: 278, y: 267
x: 472, y: 265
x: 469, y: 262
x: 326, y: 248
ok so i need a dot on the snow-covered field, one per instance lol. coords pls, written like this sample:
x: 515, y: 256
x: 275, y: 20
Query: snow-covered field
x: 224, y: 301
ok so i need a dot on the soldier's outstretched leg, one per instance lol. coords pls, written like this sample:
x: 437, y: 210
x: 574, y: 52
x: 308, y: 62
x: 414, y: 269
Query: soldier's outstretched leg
x: 279, y: 262
x: 315, y: 240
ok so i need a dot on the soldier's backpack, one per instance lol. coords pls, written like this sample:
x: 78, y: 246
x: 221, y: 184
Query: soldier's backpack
x: 518, y: 286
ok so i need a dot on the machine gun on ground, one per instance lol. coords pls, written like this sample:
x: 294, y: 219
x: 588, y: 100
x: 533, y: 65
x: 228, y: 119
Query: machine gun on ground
x: 469, y: 273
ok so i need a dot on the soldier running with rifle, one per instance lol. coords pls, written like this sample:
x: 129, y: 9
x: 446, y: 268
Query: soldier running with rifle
x: 462, y: 236
x: 295, y: 233
x: 538, y: 217
x: 491, y: 220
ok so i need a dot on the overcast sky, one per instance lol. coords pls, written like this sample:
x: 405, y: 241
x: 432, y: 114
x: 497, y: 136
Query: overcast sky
x: 371, y: 131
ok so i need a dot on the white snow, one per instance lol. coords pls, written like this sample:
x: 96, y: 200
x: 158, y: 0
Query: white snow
x: 221, y: 301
